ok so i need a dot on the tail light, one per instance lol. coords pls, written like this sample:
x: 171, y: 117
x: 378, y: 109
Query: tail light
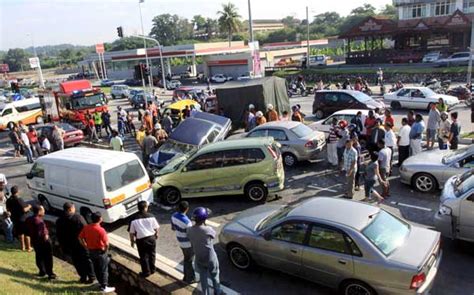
x: 107, y: 203
x: 309, y: 145
x: 273, y: 153
x: 417, y: 280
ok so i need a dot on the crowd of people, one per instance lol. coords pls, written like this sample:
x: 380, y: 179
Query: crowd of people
x: 254, y: 118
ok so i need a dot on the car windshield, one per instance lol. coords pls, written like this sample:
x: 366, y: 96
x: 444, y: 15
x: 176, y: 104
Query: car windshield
x: 95, y: 100
x: 453, y: 155
x: 360, y: 96
x: 272, y: 218
x: 67, y: 127
x: 464, y: 183
x: 386, y: 232
x: 302, y: 130
x: 173, y: 165
x: 172, y: 146
x: 123, y: 175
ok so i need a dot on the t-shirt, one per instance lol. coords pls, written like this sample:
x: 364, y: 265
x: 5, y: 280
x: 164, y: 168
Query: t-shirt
x: 416, y: 130
x: 14, y: 137
x: 404, y: 135
x: 390, y: 138
x: 455, y: 130
x: 433, y: 119
x: 201, y: 237
x: 370, y: 173
x: 32, y: 136
x: 95, y: 237
x: 343, y: 135
x: 140, y: 137
x: 390, y: 120
x: 116, y: 143
x: 143, y: 225
x: 385, y: 155
x: 369, y: 125
x: 17, y: 206
x: 149, y: 144
x: 25, y: 139
x: 180, y: 223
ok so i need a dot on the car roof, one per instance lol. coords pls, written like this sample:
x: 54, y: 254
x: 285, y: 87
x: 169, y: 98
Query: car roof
x: 179, y: 105
x: 351, y: 92
x: 237, y: 143
x: 281, y: 124
x: 349, y: 213
x: 192, y: 131
x: 351, y: 112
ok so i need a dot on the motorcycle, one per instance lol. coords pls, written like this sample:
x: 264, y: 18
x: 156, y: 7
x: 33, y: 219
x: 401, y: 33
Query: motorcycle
x: 295, y: 89
x: 462, y: 93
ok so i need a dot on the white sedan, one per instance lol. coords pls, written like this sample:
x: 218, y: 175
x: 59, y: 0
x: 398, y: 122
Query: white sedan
x: 417, y: 98
x: 219, y: 78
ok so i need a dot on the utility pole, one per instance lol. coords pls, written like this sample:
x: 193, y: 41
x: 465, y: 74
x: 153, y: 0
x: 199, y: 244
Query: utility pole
x: 471, y: 47
x: 307, y: 37
x: 161, y: 58
x: 38, y: 69
x: 250, y: 22
x: 150, y: 76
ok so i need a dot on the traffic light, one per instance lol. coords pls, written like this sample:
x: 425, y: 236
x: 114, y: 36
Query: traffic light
x: 120, y: 32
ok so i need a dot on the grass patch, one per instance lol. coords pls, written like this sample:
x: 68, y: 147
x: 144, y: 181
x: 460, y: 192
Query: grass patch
x: 106, y: 90
x: 468, y: 135
x: 18, y: 269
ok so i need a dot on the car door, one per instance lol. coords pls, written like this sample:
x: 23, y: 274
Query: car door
x: 346, y: 101
x: 418, y: 99
x: 466, y: 217
x: 331, y: 103
x: 197, y: 177
x: 257, y: 133
x: 57, y: 185
x: 404, y: 97
x: 326, y: 257
x: 36, y: 179
x: 283, y: 245
x: 282, y: 138
x: 230, y: 170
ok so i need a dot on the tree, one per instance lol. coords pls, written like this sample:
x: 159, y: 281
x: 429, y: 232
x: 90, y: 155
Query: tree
x: 126, y: 44
x: 229, y: 20
x: 199, y: 22
x: 15, y: 58
x: 211, y: 27
x: 290, y: 22
x: 366, y: 9
x: 357, y: 15
x: 170, y: 29
x: 326, y: 24
x: 390, y: 11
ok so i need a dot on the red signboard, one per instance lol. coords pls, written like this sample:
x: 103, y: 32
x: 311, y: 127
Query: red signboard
x: 99, y: 48
x: 4, y: 68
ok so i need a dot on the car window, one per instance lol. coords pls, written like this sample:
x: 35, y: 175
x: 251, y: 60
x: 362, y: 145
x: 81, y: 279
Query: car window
x: 338, y: 117
x: 404, y: 92
x: 417, y: 93
x: 278, y: 135
x: 345, y: 98
x: 37, y: 170
x: 253, y: 156
x: 327, y: 239
x: 292, y: 232
x: 258, y: 133
x: 467, y: 162
x: 202, y: 162
x: 331, y: 97
x: 7, y: 112
x: 233, y: 158
x: 212, y: 136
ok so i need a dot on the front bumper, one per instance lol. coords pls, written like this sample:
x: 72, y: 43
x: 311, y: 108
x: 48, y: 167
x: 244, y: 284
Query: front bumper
x: 405, y: 177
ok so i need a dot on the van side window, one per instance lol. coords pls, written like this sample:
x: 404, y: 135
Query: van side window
x: 122, y: 175
x: 206, y: 161
x: 7, y: 112
x: 233, y: 158
x: 37, y: 170
x: 254, y: 155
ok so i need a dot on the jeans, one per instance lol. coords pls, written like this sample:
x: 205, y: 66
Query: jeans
x: 403, y: 153
x: 28, y: 153
x: 121, y: 128
x: 147, y: 251
x: 8, y: 230
x: 44, y: 257
x: 36, y: 149
x: 188, y: 254
x: 100, y: 261
x: 209, y: 271
x: 82, y: 262
x: 107, y: 128
x: 98, y: 129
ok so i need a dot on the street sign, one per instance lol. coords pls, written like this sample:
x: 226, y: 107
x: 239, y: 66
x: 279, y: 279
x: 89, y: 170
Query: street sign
x: 99, y: 48
x: 34, y: 62
x: 4, y: 68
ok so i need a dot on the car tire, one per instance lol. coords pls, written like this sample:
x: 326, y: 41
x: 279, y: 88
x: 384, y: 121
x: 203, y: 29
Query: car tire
x: 395, y: 105
x: 256, y: 192
x: 171, y: 196
x: 123, y: 96
x: 45, y: 203
x: 319, y: 114
x: 239, y: 256
x: 289, y: 160
x: 87, y: 214
x: 424, y: 182
x: 113, y: 96
x: 356, y: 287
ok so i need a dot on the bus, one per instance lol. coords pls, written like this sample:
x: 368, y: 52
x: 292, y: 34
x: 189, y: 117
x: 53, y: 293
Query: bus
x: 26, y: 110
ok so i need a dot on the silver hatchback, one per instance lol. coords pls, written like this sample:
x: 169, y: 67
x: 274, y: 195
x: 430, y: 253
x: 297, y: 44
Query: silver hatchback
x: 352, y: 246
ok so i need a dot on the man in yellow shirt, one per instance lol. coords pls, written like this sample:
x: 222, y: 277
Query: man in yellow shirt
x: 140, y: 136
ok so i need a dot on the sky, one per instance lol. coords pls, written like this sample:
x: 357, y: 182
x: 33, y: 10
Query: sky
x: 87, y: 22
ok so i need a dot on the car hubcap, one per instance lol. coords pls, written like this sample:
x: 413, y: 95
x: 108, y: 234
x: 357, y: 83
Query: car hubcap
x: 289, y: 160
x: 256, y: 193
x: 356, y: 289
x: 424, y: 183
x: 172, y: 197
x: 239, y: 257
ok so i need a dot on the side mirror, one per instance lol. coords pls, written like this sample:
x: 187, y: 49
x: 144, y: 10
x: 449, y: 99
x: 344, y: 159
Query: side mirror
x: 267, y: 236
x: 29, y: 176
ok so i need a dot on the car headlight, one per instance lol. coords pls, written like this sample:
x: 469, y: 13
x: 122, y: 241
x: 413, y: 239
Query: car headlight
x: 444, y: 210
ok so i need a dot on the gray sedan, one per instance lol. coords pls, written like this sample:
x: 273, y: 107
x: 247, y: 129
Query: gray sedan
x: 354, y: 247
x: 298, y: 141
x: 430, y: 170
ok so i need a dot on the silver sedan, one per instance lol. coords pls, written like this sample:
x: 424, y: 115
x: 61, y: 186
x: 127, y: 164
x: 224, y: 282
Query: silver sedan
x: 428, y: 171
x: 352, y: 246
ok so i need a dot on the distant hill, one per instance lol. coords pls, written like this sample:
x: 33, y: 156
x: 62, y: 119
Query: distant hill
x: 53, y: 50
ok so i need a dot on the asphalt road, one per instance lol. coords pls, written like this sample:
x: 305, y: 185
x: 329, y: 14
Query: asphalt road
x: 304, y: 181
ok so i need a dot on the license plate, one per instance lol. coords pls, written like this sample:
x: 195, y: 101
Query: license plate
x: 131, y: 204
x: 71, y: 136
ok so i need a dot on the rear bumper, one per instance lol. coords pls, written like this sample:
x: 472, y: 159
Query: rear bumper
x: 430, y: 278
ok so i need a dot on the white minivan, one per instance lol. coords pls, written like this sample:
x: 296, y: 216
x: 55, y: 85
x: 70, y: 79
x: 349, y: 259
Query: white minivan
x: 107, y: 181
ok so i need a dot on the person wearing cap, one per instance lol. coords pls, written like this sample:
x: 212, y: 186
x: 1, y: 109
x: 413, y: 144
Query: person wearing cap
x: 180, y: 222
x: 94, y: 238
x: 443, y: 131
x: 167, y: 122
x: 202, y: 239
x: 143, y: 230
x: 260, y: 118
x: 34, y: 142
x: 250, y: 121
x: 272, y: 115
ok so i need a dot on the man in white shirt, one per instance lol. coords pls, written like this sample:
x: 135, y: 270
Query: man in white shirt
x: 390, y: 139
x: 26, y: 146
x: 403, y: 142
x: 385, y: 154
x: 116, y: 142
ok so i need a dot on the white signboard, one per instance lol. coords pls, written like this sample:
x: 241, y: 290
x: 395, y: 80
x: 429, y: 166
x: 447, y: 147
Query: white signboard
x: 34, y: 62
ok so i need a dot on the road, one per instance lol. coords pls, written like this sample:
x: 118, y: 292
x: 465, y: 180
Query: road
x: 304, y: 181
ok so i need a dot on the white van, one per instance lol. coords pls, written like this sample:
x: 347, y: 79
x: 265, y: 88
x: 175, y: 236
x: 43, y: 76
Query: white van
x: 26, y: 110
x: 120, y: 91
x: 93, y: 179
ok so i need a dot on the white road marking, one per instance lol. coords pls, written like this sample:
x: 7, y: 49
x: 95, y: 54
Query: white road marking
x: 411, y: 206
x: 212, y: 223
x: 322, y: 188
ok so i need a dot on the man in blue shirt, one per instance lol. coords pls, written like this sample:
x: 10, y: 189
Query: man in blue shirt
x: 180, y: 223
x: 416, y: 133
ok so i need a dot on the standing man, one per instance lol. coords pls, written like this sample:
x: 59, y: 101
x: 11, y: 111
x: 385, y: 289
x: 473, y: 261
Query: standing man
x: 116, y: 142
x: 38, y: 231
x: 68, y: 228
x: 251, y: 121
x: 19, y: 209
x: 26, y: 146
x: 415, y: 134
x: 180, y: 222
x: 58, y: 137
x: 332, y: 144
x: 390, y: 140
x: 207, y: 264
x: 403, y: 142
x: 106, y: 122
x: 369, y: 123
x: 34, y: 142
x: 98, y: 123
x: 16, y: 141
x: 380, y: 77
x: 149, y: 146
x: 143, y: 231
x: 342, y: 135
x: 94, y: 238
x: 443, y: 132
x: 385, y: 154
x: 432, y: 128
x: 167, y: 122
x: 350, y: 167
x: 272, y: 115
x: 454, y: 131
x: 357, y: 120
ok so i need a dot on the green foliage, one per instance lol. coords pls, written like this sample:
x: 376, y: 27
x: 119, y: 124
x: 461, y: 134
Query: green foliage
x: 229, y: 20
x: 16, y: 58
x: 169, y: 29
x: 125, y: 44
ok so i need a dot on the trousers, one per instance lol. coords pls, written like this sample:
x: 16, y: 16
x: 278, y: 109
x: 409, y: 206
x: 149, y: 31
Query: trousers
x: 147, y: 251
x: 350, y: 185
x: 415, y: 145
x: 82, y: 262
x: 211, y: 270
x: 188, y: 255
x: 100, y: 261
x: 44, y: 257
x: 332, y: 154
x: 403, y: 153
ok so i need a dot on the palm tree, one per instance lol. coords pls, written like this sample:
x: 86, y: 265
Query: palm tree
x: 229, y: 20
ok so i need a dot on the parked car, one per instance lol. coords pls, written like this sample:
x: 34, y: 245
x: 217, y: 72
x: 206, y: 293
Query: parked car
x: 93, y: 179
x: 138, y: 101
x: 298, y: 141
x: 192, y: 134
x: 406, y: 57
x: 72, y: 136
x: 455, y: 217
x: 417, y: 98
x: 244, y: 77
x: 431, y: 57
x: 220, y: 78
x: 120, y: 91
x: 428, y: 171
x: 185, y: 92
x: 318, y: 60
x: 457, y: 59
x: 173, y: 84
x: 252, y: 167
x: 106, y: 83
x: 347, y: 245
x: 176, y: 109
x: 327, y: 102
x: 133, y: 82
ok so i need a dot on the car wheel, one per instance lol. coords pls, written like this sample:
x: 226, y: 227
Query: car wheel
x: 395, y: 105
x: 45, y: 203
x: 319, y: 114
x: 356, y: 288
x: 239, y: 257
x: 171, y: 196
x: 424, y: 182
x: 113, y: 96
x: 289, y: 159
x: 87, y: 214
x: 256, y: 192
x: 123, y: 96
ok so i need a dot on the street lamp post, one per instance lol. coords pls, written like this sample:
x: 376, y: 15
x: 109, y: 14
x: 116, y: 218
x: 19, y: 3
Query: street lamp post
x: 161, y: 58
x: 38, y: 69
x: 150, y: 76
x: 307, y: 37
x: 471, y: 48
x: 250, y: 22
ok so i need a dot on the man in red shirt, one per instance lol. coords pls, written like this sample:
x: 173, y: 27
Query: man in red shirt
x: 94, y: 238
x: 34, y: 142
x: 91, y: 129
